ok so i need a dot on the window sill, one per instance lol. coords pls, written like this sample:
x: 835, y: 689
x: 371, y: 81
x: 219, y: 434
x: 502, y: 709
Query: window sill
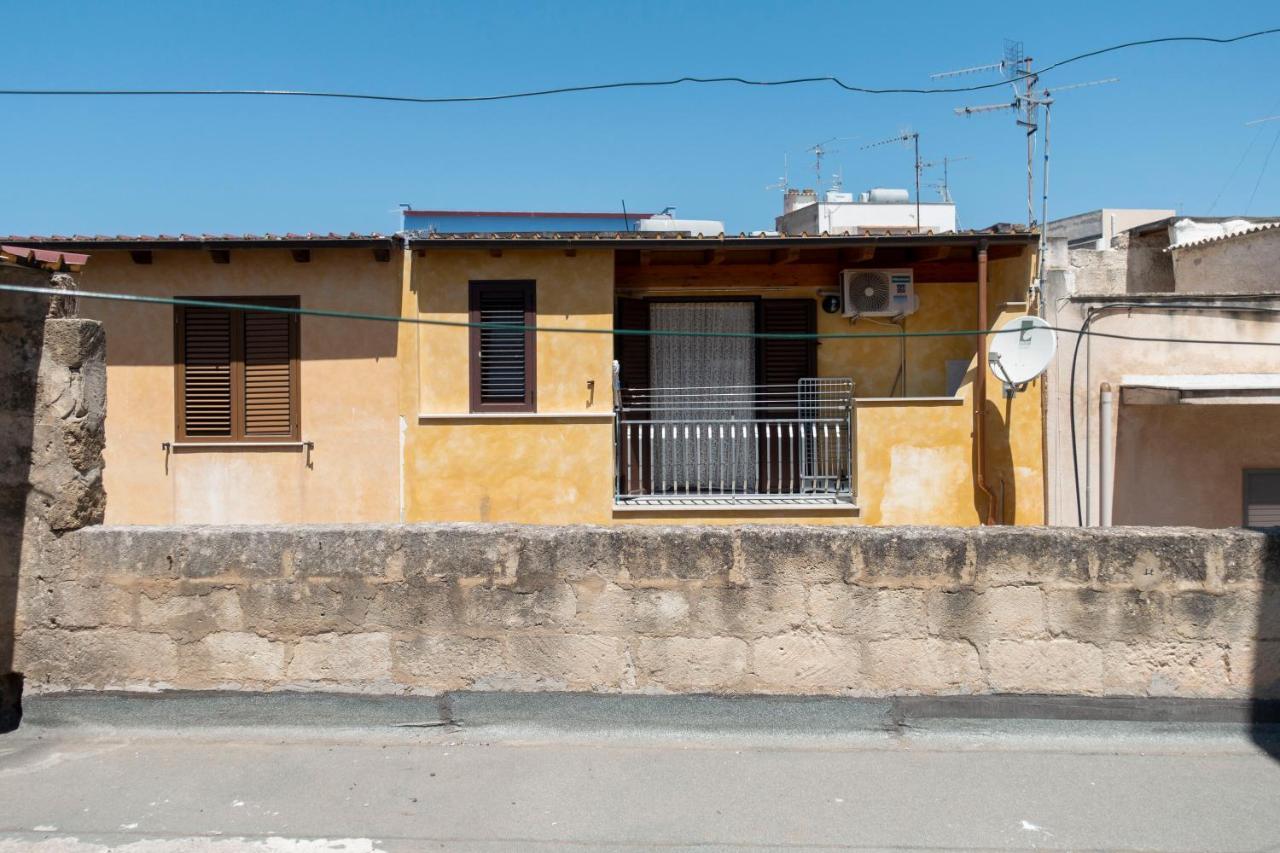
x: 237, y: 445
x: 459, y: 417
x: 908, y: 401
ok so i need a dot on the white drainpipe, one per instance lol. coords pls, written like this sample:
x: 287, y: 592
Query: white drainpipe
x: 1106, y: 454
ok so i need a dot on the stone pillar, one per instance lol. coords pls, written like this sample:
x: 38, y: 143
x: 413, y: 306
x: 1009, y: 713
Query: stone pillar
x: 52, y: 411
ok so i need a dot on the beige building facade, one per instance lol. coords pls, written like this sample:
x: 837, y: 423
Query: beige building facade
x: 405, y: 390
x: 1166, y: 431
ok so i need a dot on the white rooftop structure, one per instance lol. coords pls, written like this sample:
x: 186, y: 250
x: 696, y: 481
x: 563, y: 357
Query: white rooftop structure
x: 1097, y: 228
x: 666, y: 223
x: 878, y: 209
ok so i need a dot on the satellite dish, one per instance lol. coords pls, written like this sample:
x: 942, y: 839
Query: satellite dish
x: 1021, y: 351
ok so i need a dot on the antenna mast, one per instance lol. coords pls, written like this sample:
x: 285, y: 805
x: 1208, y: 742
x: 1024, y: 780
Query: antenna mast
x: 819, y: 151
x: 1027, y: 100
x: 913, y: 137
x: 944, y: 187
x: 783, y: 183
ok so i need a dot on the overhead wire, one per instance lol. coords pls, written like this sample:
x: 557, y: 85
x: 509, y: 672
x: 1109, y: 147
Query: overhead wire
x: 1252, y: 142
x: 1085, y: 330
x: 514, y: 327
x: 634, y: 84
x: 1266, y: 161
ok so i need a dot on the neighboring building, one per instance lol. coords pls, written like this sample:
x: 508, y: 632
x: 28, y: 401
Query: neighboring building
x: 423, y: 223
x: 875, y: 211
x: 221, y: 416
x: 1188, y: 436
x: 1097, y: 228
x: 516, y: 221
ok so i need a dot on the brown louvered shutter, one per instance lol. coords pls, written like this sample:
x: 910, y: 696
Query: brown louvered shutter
x: 632, y: 351
x: 237, y: 372
x: 785, y: 362
x: 205, y: 349
x: 503, y: 361
x: 1262, y: 498
x: 269, y: 398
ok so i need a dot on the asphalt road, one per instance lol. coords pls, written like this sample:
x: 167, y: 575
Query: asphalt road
x: 341, y: 774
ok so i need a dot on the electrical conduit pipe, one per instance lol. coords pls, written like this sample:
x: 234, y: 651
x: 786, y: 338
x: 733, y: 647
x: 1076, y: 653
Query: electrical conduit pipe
x: 980, y: 392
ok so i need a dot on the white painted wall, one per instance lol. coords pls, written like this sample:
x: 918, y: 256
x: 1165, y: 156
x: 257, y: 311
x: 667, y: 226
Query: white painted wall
x: 855, y: 217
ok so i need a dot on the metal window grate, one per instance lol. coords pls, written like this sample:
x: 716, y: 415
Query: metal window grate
x: 736, y: 445
x: 503, y: 376
x: 1262, y: 498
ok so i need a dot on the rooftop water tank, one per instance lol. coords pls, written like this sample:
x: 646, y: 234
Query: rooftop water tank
x: 670, y: 225
x: 881, y: 195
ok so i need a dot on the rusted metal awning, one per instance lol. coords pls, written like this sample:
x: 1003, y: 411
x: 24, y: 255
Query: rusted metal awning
x: 1232, y: 389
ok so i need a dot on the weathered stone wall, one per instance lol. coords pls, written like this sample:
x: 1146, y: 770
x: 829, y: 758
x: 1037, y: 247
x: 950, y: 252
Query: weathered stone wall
x: 52, y: 406
x: 860, y: 611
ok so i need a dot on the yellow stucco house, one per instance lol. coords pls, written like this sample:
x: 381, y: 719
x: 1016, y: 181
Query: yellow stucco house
x: 255, y: 414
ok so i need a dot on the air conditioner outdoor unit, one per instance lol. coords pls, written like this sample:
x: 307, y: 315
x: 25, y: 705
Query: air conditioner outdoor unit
x: 877, y: 293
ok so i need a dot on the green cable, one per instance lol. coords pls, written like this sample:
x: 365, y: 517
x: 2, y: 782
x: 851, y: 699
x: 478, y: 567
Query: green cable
x: 510, y: 327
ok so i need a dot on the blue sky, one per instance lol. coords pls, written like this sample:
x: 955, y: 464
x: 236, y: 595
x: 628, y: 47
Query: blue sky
x: 1168, y: 135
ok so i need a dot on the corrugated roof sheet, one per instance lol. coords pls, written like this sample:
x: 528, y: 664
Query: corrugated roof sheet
x: 198, y: 241
x: 191, y: 238
x: 742, y: 237
x: 1253, y: 229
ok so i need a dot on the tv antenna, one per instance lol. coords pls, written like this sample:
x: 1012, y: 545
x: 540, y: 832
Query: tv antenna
x: 944, y: 186
x: 821, y: 150
x: 912, y: 136
x: 1261, y: 120
x: 782, y: 183
x: 1016, y: 67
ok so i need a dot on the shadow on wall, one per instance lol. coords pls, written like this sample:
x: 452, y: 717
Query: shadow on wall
x: 21, y: 339
x: 1183, y: 464
x: 343, y: 280
x: 1265, y: 683
x: 999, y: 468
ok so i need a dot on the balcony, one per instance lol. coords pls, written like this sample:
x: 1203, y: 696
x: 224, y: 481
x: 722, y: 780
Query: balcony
x: 735, y: 446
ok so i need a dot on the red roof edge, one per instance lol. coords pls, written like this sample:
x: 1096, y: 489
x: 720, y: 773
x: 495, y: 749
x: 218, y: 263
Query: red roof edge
x: 44, y: 256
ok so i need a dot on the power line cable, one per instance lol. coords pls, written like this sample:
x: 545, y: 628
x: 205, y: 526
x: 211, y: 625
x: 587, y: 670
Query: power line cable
x: 1252, y: 142
x: 1263, y: 171
x: 1085, y: 331
x: 513, y: 327
x: 637, y: 84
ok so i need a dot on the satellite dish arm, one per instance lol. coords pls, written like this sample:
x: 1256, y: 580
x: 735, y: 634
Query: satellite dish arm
x: 997, y: 367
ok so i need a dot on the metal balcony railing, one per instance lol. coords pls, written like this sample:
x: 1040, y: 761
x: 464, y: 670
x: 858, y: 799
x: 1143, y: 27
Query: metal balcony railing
x: 735, y: 446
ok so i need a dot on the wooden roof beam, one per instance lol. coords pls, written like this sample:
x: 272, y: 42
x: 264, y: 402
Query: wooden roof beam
x: 857, y: 254
x: 925, y: 254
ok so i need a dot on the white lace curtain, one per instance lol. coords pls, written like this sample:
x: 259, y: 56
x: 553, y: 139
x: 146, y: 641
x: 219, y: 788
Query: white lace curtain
x: 696, y: 456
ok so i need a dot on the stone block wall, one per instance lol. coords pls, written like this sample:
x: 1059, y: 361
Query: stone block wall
x: 52, y: 410
x: 857, y: 611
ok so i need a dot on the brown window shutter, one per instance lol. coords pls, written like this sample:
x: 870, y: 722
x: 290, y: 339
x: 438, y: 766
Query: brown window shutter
x: 206, y: 352
x: 632, y: 351
x: 785, y: 362
x: 269, y: 375
x: 503, y: 361
x: 1262, y: 498
x: 237, y: 371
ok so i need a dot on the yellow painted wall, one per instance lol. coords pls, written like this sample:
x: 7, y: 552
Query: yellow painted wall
x: 554, y: 466
x: 915, y: 456
x: 387, y: 406
x: 348, y: 386
x: 873, y: 364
